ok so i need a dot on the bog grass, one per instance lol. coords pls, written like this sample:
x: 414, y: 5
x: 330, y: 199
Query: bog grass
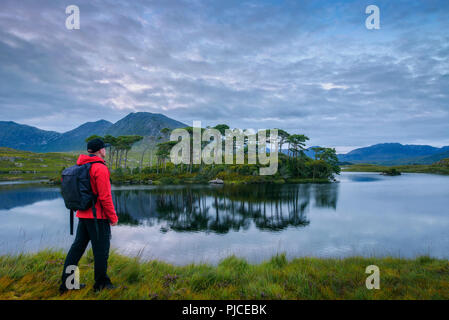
x: 36, y: 276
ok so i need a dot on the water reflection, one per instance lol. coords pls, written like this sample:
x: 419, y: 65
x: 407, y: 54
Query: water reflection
x: 223, y: 209
x: 399, y: 216
x: 363, y: 177
x: 16, y: 195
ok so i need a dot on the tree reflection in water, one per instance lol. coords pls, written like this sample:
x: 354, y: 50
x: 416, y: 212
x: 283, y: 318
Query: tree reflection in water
x: 220, y: 209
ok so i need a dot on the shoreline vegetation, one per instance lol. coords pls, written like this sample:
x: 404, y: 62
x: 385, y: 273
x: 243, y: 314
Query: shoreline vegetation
x: 126, y: 167
x: 440, y: 167
x: 16, y: 165
x: 37, y: 276
x: 293, y: 166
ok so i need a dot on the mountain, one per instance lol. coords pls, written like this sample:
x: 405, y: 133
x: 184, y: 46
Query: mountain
x: 143, y: 124
x: 395, y: 154
x: 75, y: 139
x: 23, y: 137
x: 308, y: 152
x: 431, y: 158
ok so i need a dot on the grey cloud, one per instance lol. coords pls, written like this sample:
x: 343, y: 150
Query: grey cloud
x: 299, y: 66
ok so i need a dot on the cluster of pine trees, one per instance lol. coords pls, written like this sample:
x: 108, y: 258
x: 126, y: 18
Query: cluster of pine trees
x: 293, y: 161
x: 118, y: 149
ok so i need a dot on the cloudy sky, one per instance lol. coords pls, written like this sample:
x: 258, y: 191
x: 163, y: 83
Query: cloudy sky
x: 307, y: 67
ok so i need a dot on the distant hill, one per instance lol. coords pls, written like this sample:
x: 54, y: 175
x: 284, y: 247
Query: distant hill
x: 308, y: 152
x: 23, y: 137
x: 75, y: 139
x: 143, y: 124
x: 432, y: 158
x: 395, y: 154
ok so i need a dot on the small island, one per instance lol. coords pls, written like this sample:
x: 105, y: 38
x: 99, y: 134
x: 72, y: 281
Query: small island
x: 138, y: 160
x: 391, y: 172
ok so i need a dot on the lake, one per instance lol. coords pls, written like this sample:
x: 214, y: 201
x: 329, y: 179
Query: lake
x: 365, y: 214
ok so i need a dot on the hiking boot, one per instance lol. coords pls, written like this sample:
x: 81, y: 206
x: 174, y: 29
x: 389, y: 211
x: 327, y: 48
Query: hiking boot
x: 107, y: 286
x: 63, y: 289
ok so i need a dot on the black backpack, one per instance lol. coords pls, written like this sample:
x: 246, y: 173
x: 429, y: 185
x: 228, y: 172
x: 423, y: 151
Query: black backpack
x: 77, y: 191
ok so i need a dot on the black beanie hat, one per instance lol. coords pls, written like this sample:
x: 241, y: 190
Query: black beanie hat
x: 95, y: 144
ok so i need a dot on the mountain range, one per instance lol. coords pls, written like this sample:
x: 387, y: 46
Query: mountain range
x: 24, y: 137
x: 389, y: 154
x: 28, y: 138
x: 395, y: 154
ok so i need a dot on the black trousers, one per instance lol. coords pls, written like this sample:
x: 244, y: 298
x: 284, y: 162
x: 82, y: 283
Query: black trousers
x: 100, y: 246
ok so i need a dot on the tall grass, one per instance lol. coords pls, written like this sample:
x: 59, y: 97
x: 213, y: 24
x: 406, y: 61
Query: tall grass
x: 37, y: 276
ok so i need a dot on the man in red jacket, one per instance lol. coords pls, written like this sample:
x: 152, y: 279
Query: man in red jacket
x: 106, y: 215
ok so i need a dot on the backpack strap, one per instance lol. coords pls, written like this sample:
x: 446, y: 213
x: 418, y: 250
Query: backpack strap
x: 96, y: 162
x: 94, y: 212
x: 71, y: 222
x: 94, y: 201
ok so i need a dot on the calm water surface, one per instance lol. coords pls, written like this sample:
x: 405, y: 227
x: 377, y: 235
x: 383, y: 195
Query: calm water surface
x: 365, y: 214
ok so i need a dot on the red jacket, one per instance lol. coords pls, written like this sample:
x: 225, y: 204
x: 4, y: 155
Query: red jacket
x: 101, y: 186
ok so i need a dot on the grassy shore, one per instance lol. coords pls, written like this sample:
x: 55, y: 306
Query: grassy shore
x: 419, y: 168
x: 24, y: 165
x: 36, y: 276
x: 168, y: 178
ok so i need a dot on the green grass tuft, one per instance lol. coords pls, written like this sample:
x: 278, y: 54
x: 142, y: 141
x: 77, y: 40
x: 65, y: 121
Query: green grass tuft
x: 37, y: 276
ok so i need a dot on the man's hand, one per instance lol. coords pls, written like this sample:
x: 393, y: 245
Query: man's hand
x: 114, y: 224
